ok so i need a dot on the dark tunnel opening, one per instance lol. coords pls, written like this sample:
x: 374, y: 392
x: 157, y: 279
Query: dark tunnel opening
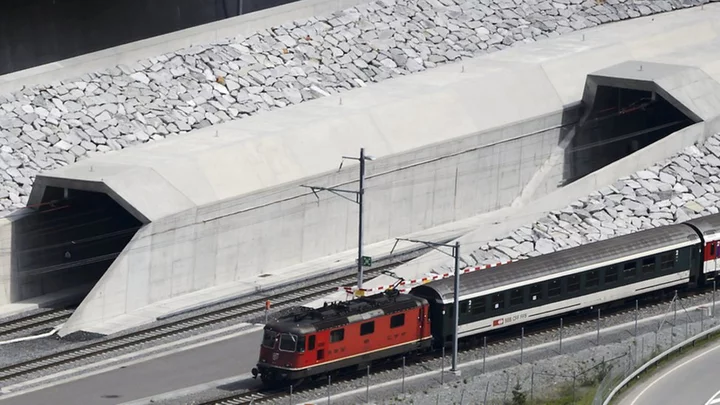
x: 622, y: 121
x: 67, y: 243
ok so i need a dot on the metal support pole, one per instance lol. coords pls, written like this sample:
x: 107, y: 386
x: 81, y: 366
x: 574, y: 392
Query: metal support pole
x: 522, y: 345
x: 266, y: 315
x: 442, y: 367
x: 361, y: 191
x: 329, y: 382
x: 598, y: 328
x: 532, y: 383
x: 487, y: 388
x: 403, y: 376
x: 367, y: 389
x: 675, y: 308
x: 561, y: 329
x: 291, y: 388
x: 636, y: 316
x: 713, y: 307
x: 702, y: 318
x: 456, y: 303
x: 484, y: 352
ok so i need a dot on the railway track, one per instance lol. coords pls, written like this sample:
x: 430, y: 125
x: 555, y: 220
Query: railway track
x: 46, y: 319
x: 247, y: 309
x: 508, y: 338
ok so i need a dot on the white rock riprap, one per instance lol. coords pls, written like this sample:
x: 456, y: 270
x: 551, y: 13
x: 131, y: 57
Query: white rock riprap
x: 47, y: 126
x: 681, y: 188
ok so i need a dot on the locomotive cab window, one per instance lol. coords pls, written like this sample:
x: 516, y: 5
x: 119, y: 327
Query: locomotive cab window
x: 397, y: 321
x: 367, y: 328
x: 712, y: 249
x: 337, y: 335
x: 288, y: 342
x: 269, y: 339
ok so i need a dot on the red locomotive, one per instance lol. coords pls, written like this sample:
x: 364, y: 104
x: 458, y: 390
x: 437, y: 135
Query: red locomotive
x: 342, y: 335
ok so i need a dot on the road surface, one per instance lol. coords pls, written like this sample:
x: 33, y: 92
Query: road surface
x: 691, y: 380
x: 179, y: 370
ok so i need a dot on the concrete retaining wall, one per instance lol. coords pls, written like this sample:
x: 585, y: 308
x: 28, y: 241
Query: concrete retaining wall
x: 253, y: 235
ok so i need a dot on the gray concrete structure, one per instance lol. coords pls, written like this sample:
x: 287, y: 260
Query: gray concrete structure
x: 224, y: 204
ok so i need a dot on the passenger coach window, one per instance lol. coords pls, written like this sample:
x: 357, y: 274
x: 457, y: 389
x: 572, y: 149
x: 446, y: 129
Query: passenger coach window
x: 573, y: 283
x: 592, y: 279
x: 553, y: 288
x: 367, y: 328
x: 516, y: 297
x: 397, y: 321
x: 611, y: 275
x: 535, y: 292
x: 629, y: 270
x: 667, y: 261
x: 464, y: 307
x: 498, y: 301
x: 648, y: 265
x: 337, y: 335
x: 478, y: 306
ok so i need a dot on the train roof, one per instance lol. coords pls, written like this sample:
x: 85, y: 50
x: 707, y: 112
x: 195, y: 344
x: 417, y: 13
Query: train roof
x: 309, y: 320
x: 568, y: 261
x: 708, y: 226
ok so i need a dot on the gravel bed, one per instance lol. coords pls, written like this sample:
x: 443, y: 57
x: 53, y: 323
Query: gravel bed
x: 51, y: 125
x: 579, y: 354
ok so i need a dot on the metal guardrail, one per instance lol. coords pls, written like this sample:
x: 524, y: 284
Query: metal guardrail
x: 657, y: 359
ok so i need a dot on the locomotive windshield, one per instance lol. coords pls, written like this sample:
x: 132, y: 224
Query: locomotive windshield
x: 288, y: 342
x: 269, y: 339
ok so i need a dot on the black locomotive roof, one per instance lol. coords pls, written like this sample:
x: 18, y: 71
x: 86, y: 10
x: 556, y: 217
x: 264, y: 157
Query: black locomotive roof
x: 709, y: 226
x: 308, y: 320
x: 605, y: 252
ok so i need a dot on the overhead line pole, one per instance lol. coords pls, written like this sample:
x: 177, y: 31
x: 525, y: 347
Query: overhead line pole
x: 358, y: 200
x: 456, y: 296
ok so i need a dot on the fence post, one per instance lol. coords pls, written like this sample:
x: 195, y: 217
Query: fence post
x: 462, y: 396
x: 561, y: 330
x: 573, y: 387
x: 367, y: 388
x: 484, y: 352
x: 532, y: 382
x: 713, y: 307
x: 403, y: 376
x: 522, y: 341
x: 329, y: 382
x: 291, y: 388
x: 487, y: 388
x: 598, y: 328
x: 636, y: 316
x: 442, y: 367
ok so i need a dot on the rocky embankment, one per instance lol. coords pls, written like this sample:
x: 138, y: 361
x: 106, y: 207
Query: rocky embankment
x: 55, y: 124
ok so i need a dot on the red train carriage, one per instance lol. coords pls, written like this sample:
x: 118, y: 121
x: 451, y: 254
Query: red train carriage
x: 310, y: 343
x: 709, y: 229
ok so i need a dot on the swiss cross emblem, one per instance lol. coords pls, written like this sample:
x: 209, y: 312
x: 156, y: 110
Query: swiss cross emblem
x: 498, y: 322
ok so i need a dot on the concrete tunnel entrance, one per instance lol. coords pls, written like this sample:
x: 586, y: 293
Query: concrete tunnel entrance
x: 620, y: 122
x: 67, y: 243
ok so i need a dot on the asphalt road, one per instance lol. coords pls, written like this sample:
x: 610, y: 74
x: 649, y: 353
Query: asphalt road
x: 691, y: 380
x: 168, y: 373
